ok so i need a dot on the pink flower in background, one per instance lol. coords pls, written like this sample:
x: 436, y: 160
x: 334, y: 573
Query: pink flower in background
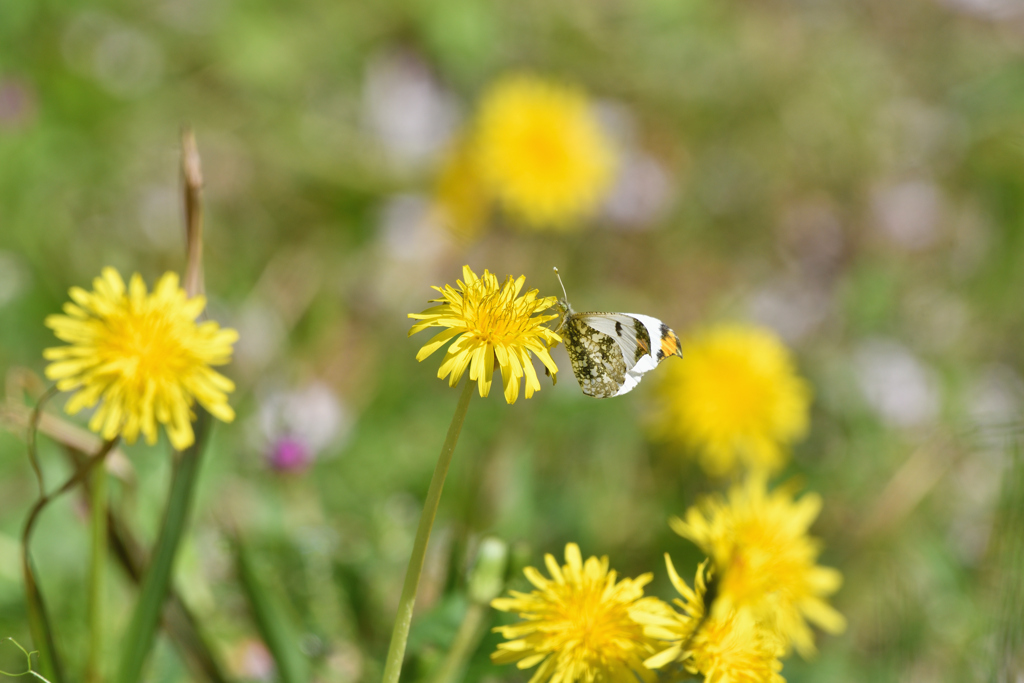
x: 289, y: 454
x: 300, y: 425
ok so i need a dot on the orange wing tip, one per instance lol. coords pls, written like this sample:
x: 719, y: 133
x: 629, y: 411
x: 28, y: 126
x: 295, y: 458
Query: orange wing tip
x: 670, y: 345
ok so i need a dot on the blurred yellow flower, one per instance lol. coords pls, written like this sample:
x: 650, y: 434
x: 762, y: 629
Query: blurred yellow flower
x: 724, y: 646
x: 542, y: 152
x: 675, y: 628
x: 141, y: 356
x: 765, y: 560
x: 489, y: 322
x: 734, y: 649
x: 460, y: 198
x: 735, y: 399
x: 577, y: 625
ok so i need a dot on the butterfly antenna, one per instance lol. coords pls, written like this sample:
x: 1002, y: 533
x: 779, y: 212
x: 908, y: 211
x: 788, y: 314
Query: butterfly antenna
x: 561, y: 283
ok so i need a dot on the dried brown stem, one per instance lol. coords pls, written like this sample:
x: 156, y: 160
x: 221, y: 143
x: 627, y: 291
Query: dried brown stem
x: 16, y: 419
x: 192, y: 182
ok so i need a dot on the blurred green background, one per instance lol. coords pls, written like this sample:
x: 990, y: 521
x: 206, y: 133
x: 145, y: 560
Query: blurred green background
x: 849, y: 173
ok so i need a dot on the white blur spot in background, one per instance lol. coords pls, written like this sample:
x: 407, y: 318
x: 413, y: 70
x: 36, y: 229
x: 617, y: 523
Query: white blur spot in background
x: 192, y: 16
x: 908, y: 213
x: 643, y: 189
x: 127, y: 62
x: 14, y: 277
x: 642, y: 193
x: 261, y: 333
x: 999, y: 10
x: 406, y: 109
x: 897, y: 385
x: 414, y: 249
x: 159, y: 208
x: 251, y: 660
x: 407, y: 232
x: 792, y: 307
x: 300, y: 425
x: 345, y: 661
x: 123, y: 60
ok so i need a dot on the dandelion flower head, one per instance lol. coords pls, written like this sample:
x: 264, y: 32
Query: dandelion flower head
x: 542, y: 152
x: 723, y: 646
x: 735, y: 649
x: 577, y: 625
x: 735, y: 400
x: 489, y: 320
x: 141, y: 356
x: 765, y: 559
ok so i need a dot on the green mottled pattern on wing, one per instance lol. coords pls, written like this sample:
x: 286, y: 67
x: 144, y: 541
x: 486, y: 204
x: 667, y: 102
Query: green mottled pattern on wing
x: 596, y: 359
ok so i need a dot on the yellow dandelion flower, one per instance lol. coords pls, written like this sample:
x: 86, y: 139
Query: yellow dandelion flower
x: 734, y: 649
x: 489, y: 322
x: 141, y: 356
x: 726, y: 647
x: 735, y: 399
x: 577, y: 625
x: 676, y: 629
x: 766, y: 561
x: 542, y: 152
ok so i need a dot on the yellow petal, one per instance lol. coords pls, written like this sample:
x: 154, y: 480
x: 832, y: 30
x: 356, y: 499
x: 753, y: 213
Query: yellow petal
x: 439, y: 340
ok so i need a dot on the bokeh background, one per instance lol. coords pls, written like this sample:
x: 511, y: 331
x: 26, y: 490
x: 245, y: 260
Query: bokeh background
x: 848, y: 173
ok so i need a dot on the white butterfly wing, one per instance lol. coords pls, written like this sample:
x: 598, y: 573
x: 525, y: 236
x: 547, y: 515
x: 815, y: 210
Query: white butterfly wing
x: 620, y: 327
x: 660, y: 333
x: 634, y: 335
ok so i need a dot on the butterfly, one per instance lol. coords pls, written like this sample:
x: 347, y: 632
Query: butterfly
x: 610, y: 352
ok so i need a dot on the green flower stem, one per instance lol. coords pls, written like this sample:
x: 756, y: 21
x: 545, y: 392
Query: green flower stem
x: 400, y: 634
x: 39, y: 625
x: 180, y: 624
x: 157, y: 580
x: 33, y: 432
x: 39, y: 622
x: 466, y: 641
x: 97, y: 569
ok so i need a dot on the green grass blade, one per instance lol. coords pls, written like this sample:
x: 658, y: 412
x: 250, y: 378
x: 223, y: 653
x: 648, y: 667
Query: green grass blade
x: 38, y: 618
x: 1008, y: 663
x: 97, y: 574
x: 39, y: 623
x: 50, y: 662
x: 138, y: 640
x: 180, y: 625
x: 271, y: 619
